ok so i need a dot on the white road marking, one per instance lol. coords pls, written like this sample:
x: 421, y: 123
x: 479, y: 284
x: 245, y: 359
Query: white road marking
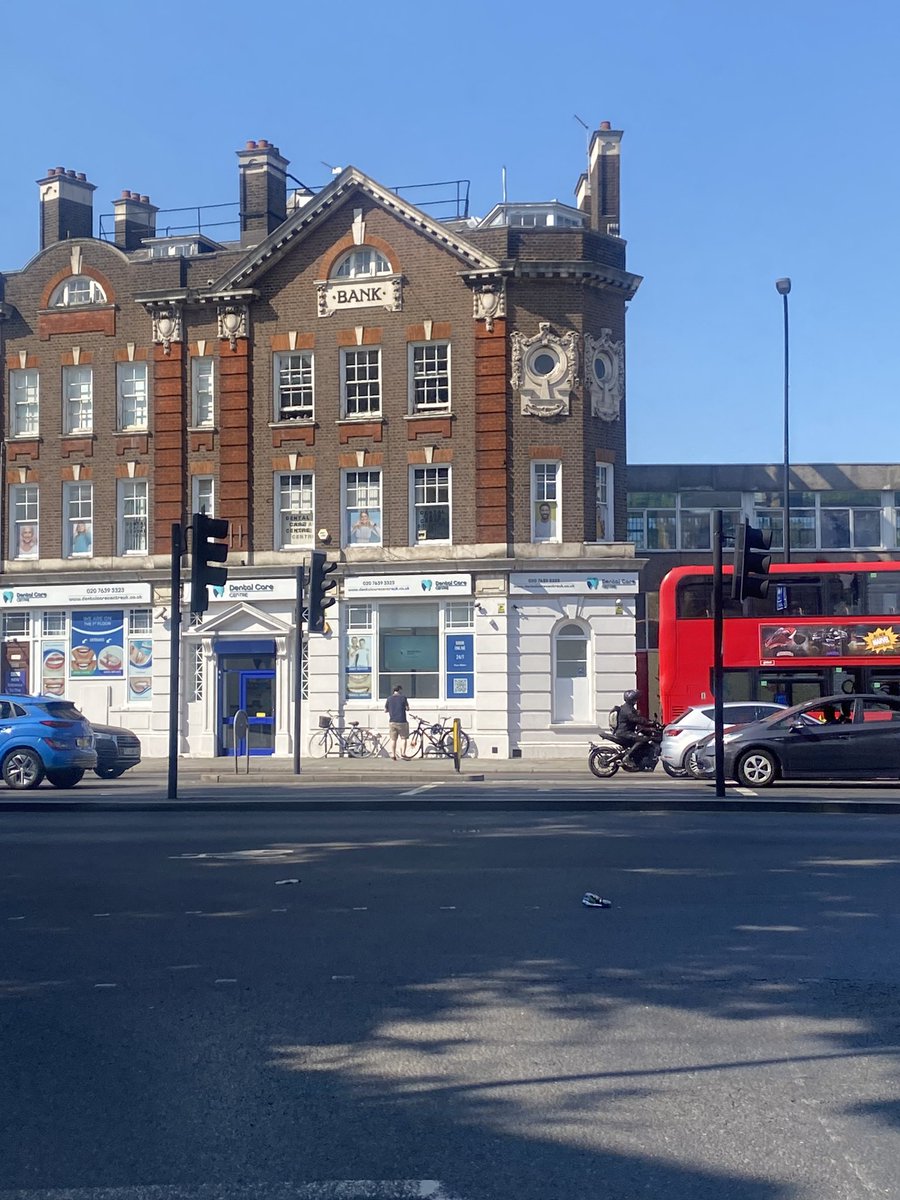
x: 226, y: 981
x: 101, y: 914
x: 448, y: 908
x: 361, y: 908
x: 105, y: 985
x: 279, y: 910
x: 426, y: 787
x: 185, y: 967
x: 742, y: 791
x: 342, y: 978
x: 194, y: 912
x: 15, y: 918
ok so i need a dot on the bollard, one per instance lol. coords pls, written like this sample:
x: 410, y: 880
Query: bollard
x: 456, y: 741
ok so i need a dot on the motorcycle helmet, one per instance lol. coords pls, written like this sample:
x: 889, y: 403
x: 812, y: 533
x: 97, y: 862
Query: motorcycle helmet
x: 631, y: 696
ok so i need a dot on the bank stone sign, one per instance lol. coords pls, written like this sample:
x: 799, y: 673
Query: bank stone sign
x: 380, y: 291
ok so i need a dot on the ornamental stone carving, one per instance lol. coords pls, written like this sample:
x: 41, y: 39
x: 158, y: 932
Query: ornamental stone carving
x: 544, y: 371
x: 375, y: 291
x: 604, y: 363
x: 489, y: 303
x: 166, y: 325
x: 233, y: 323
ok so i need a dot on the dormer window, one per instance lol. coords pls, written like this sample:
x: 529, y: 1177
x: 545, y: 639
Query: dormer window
x: 77, y: 290
x: 362, y: 263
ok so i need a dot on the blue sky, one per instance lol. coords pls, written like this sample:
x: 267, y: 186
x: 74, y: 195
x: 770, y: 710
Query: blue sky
x: 760, y: 141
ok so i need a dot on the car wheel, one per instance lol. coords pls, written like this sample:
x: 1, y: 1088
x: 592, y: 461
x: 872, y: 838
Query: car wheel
x: 66, y: 778
x: 22, y: 769
x: 692, y: 765
x: 756, y: 769
x: 675, y: 772
x: 108, y: 772
x: 604, y: 763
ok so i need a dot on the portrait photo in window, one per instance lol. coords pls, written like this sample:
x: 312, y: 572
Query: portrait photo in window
x: 365, y: 526
x: 27, y: 541
x: 545, y: 521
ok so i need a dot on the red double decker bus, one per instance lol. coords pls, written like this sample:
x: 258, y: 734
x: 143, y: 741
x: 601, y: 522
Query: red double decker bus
x: 823, y: 628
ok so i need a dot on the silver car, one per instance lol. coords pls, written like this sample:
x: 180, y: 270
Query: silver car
x: 696, y: 723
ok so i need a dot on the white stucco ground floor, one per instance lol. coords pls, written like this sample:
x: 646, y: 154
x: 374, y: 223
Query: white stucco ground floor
x: 529, y: 658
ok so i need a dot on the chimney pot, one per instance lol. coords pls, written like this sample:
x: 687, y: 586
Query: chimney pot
x: 262, y: 144
x: 71, y: 174
x: 605, y: 125
x: 145, y: 199
x: 251, y: 145
x: 125, y: 194
x: 60, y: 171
x: 81, y: 175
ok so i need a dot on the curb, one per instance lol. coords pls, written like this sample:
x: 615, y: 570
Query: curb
x: 455, y: 803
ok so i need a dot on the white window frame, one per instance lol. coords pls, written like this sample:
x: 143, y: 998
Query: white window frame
x: 355, y: 496
x: 203, y: 494
x: 546, y: 488
x: 303, y: 409
x: 76, y: 292
x: 24, y: 509
x: 290, y: 489
x: 25, y: 398
x: 350, y: 355
x: 78, y: 400
x: 605, y: 502
x: 132, y: 397
x: 203, y: 391
x: 132, y: 508
x: 426, y: 378
x: 54, y: 624
x: 362, y: 262
x: 430, y: 478
x: 78, y: 509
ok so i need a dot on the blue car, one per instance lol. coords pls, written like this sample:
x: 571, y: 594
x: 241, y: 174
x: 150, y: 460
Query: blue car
x: 43, y: 737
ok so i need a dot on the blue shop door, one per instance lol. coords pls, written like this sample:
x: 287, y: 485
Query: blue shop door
x: 255, y: 694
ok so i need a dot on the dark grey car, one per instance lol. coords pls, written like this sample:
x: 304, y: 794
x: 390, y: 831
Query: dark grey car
x: 117, y: 750
x: 834, y: 737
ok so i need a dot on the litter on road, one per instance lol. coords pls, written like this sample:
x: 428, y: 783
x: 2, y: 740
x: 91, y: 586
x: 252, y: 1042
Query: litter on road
x: 592, y: 900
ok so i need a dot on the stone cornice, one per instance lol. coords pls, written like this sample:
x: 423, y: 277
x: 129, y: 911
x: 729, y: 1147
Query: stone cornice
x: 582, y: 271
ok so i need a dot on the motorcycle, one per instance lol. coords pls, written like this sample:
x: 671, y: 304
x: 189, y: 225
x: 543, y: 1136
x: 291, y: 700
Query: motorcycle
x: 605, y: 760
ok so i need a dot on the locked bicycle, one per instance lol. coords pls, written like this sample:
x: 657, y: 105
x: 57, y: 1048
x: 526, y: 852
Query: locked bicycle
x: 434, y: 738
x: 348, y: 741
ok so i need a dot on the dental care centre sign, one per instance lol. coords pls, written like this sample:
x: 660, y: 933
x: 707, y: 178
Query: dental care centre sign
x: 574, y: 583
x: 73, y: 595
x: 431, y: 586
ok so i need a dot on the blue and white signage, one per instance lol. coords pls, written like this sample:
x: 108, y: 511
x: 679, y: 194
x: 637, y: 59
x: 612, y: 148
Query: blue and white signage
x: 574, y: 583
x: 460, y: 666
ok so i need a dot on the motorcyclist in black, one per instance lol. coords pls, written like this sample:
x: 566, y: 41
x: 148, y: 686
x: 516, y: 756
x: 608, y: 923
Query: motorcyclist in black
x: 632, y: 729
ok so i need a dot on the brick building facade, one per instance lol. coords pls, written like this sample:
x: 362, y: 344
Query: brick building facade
x: 437, y: 404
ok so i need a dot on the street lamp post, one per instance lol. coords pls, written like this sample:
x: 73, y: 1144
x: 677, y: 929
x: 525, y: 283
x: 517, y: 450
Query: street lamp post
x: 783, y: 287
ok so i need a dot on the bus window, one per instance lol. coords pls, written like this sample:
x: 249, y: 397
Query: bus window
x: 694, y: 598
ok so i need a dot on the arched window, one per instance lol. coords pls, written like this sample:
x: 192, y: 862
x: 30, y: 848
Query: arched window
x: 77, y: 289
x: 362, y: 262
x: 572, y: 702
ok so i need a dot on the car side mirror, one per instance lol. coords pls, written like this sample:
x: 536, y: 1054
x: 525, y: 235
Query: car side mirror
x: 798, y: 725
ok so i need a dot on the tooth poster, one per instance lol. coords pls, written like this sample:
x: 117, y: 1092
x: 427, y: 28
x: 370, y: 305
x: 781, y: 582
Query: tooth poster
x: 140, y: 669
x: 97, y: 646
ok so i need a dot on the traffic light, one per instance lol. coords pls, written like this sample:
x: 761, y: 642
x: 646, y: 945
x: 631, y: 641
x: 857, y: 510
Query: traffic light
x: 204, y: 554
x: 751, y: 562
x: 319, y: 587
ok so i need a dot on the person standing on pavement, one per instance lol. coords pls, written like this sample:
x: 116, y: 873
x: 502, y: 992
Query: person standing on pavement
x: 397, y: 708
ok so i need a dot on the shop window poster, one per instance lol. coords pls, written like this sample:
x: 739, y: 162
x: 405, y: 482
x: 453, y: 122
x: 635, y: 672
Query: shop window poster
x: 97, y: 645
x: 358, y: 672
x: 140, y: 669
x: 53, y: 668
x: 460, y: 666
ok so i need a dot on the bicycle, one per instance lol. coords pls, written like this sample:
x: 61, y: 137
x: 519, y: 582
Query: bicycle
x: 349, y: 740
x: 434, y: 738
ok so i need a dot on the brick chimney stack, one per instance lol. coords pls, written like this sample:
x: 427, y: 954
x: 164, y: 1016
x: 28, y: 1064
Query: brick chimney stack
x: 135, y: 219
x: 263, y: 178
x: 603, y: 179
x: 67, y: 206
